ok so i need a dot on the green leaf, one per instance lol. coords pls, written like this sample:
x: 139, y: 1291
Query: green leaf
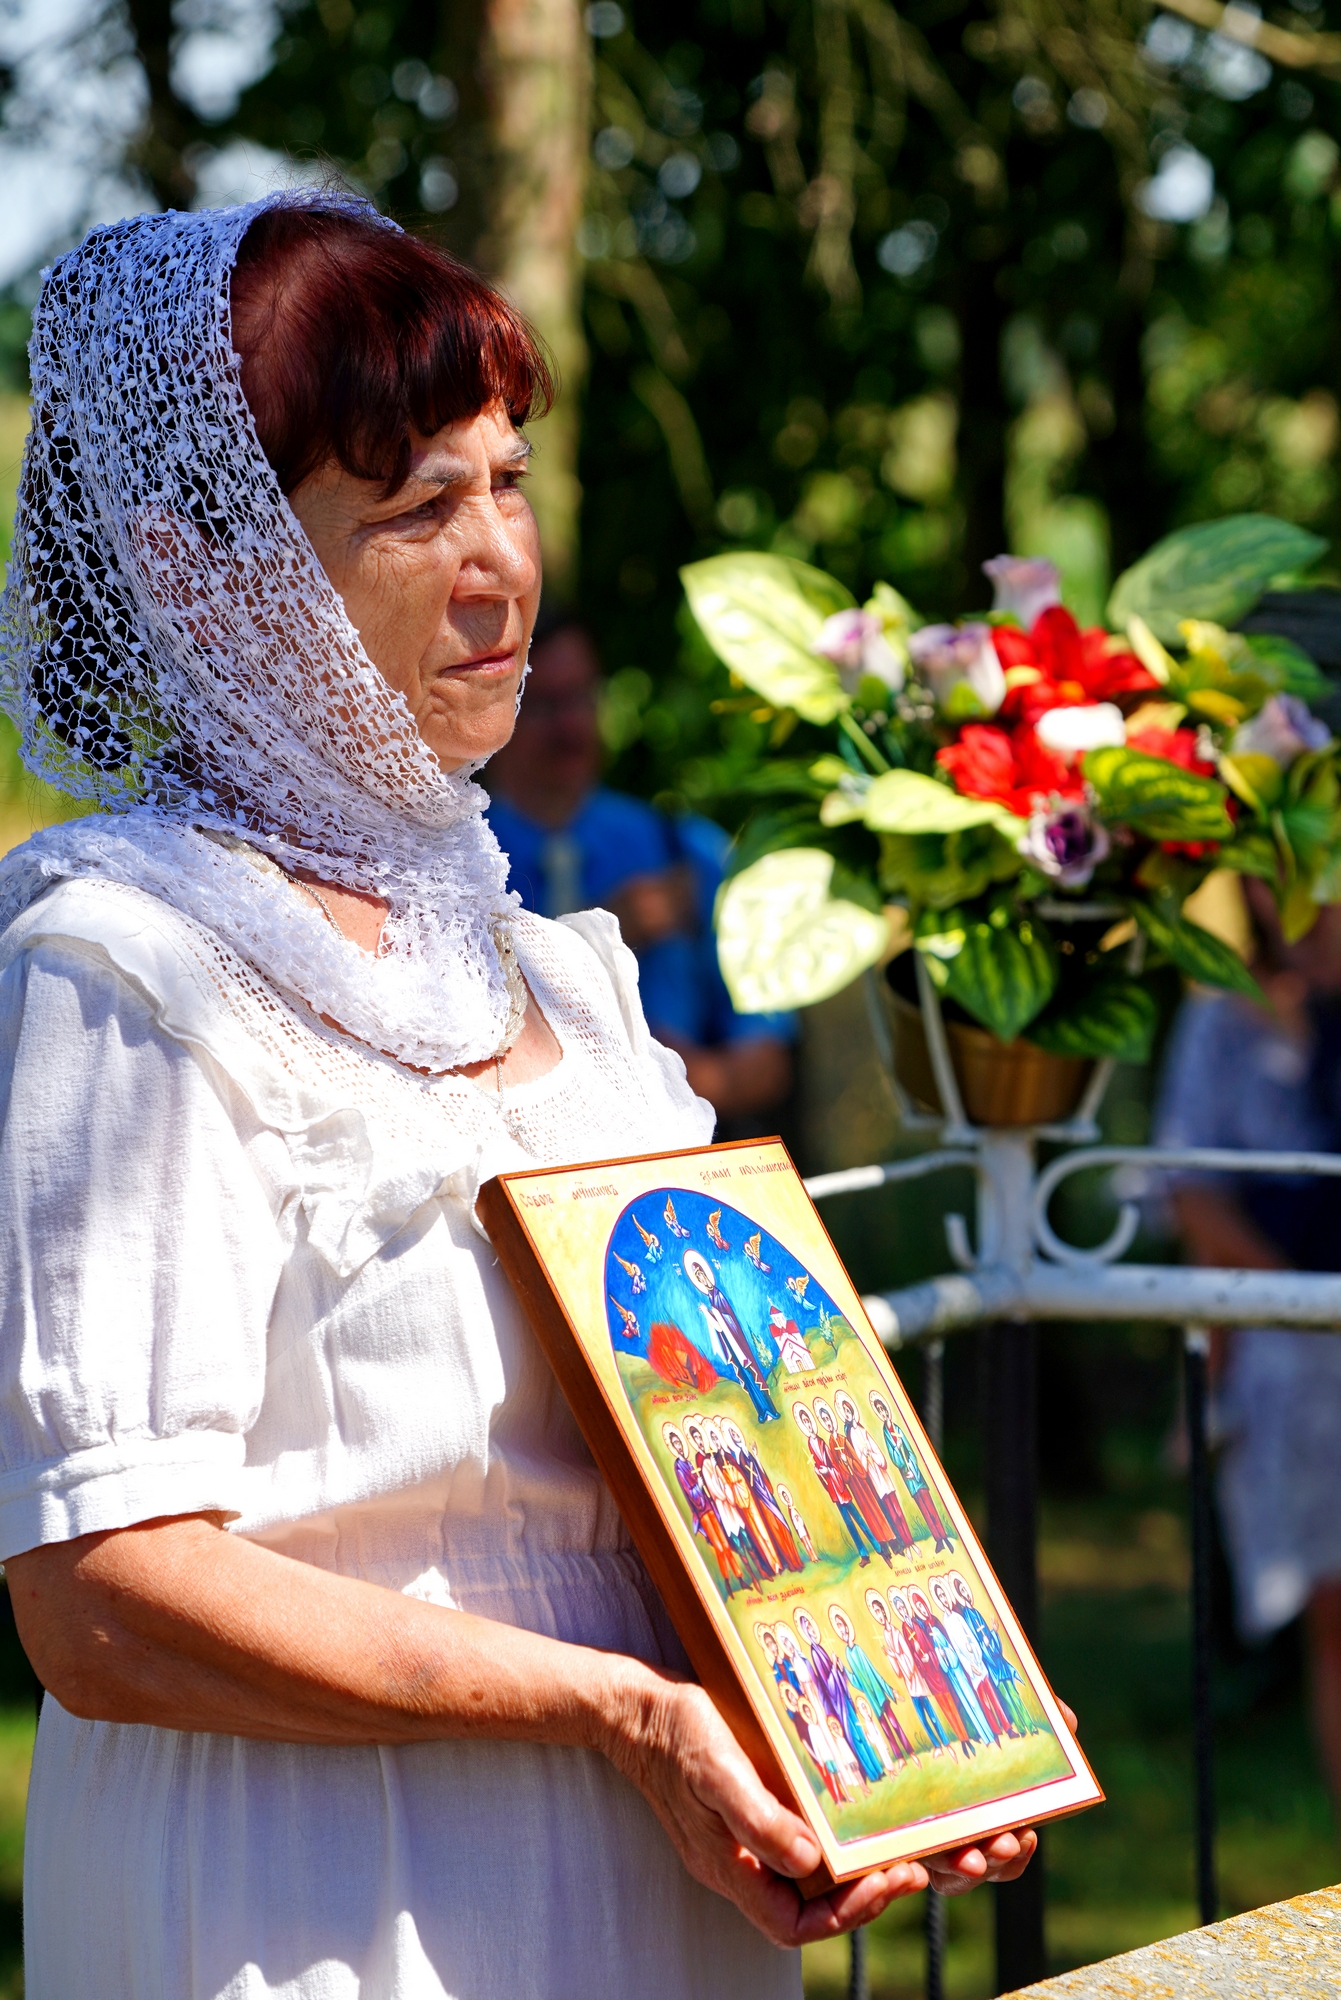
x: 1287, y: 667
x: 784, y: 940
x: 1251, y: 852
x: 1157, y: 798
x: 1000, y: 968
x: 1111, y: 1016
x: 1193, y: 950
x: 908, y: 802
x: 761, y: 614
x: 939, y: 870
x: 782, y: 774
x: 1310, y: 829
x: 1217, y: 571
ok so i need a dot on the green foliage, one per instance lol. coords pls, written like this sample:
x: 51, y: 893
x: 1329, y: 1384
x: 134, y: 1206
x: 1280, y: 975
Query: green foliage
x: 788, y: 937
x: 1216, y: 571
x: 908, y: 802
x: 1287, y: 667
x: 1001, y: 966
x: 1193, y: 950
x: 1111, y: 1015
x: 1157, y: 798
x: 761, y: 615
x: 936, y: 871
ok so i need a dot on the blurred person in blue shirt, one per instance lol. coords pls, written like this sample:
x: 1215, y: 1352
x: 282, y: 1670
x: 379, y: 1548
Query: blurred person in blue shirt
x: 573, y: 844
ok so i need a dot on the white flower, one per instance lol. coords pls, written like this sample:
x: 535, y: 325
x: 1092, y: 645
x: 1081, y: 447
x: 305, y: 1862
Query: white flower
x: 1066, y: 842
x: 1024, y: 586
x: 960, y: 666
x: 1070, y: 732
x: 855, y: 641
x: 1282, y: 729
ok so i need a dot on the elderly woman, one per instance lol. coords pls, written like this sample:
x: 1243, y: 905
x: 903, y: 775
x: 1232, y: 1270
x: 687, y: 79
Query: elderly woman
x: 355, y: 1683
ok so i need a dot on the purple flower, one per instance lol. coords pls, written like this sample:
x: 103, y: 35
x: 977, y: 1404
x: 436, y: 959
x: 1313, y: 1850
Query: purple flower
x: 1024, y: 586
x: 960, y: 666
x: 1282, y: 728
x: 855, y: 641
x: 1065, y: 842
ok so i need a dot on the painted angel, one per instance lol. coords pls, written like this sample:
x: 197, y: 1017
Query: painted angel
x: 672, y: 1220
x: 637, y: 1282
x: 715, y: 1235
x: 651, y: 1243
x: 752, y: 1251
x: 631, y: 1329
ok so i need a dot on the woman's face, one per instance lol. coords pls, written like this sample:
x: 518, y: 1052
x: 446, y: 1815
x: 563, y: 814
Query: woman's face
x: 442, y: 581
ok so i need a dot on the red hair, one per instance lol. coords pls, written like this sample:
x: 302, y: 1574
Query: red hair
x: 353, y: 336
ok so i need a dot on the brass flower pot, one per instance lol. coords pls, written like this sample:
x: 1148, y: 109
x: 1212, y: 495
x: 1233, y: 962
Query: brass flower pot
x: 1001, y: 1083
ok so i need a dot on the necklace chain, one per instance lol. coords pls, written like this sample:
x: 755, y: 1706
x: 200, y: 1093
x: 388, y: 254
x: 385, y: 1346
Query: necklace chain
x: 319, y: 900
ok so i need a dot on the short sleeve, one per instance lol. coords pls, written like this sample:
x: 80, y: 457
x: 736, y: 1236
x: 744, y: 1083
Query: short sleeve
x: 139, y: 1257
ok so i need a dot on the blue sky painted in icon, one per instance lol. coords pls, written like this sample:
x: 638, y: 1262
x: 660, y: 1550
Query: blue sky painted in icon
x: 658, y: 1289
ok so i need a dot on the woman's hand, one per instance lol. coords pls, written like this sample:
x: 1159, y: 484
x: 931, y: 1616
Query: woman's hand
x: 735, y: 1837
x: 730, y: 1832
x: 958, y: 1870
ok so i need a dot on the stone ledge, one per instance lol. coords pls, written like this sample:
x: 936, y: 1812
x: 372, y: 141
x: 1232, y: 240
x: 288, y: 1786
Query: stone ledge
x: 1285, y: 1951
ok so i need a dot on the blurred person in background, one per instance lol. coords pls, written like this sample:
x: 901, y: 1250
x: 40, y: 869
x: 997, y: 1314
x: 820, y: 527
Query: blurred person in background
x: 1255, y: 1078
x: 574, y: 845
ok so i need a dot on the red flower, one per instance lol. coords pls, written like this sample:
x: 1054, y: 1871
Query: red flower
x: 1072, y: 666
x: 1011, y: 768
x: 1176, y: 746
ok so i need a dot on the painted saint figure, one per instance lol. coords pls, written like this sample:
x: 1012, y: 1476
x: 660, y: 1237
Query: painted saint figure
x: 877, y: 1471
x: 905, y: 1460
x: 742, y: 1499
x: 825, y: 1738
x: 717, y: 1490
x: 902, y: 1674
x: 833, y: 1685
x: 728, y: 1336
x: 761, y: 1487
x: 857, y: 1480
x: 834, y: 1485
x: 971, y: 1658
x: 703, y: 1513
x: 866, y: 1679
x: 936, y: 1706
x: 797, y: 1519
x: 1005, y: 1679
x: 974, y: 1724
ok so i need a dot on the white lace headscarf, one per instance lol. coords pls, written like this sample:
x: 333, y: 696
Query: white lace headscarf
x: 172, y: 651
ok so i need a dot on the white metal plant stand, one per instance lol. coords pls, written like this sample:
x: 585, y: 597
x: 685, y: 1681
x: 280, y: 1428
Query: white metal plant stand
x: 1022, y: 1271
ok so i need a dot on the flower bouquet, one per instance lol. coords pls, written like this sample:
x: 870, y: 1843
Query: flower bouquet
x: 1022, y: 797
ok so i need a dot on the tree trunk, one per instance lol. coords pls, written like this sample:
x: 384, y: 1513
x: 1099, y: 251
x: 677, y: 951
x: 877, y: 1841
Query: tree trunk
x: 535, y: 66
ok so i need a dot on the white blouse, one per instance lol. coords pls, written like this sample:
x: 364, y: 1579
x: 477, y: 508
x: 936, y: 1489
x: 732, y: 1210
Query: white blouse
x: 239, y: 1270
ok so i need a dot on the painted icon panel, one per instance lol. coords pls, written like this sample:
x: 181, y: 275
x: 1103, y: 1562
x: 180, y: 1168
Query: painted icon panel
x: 787, y: 1467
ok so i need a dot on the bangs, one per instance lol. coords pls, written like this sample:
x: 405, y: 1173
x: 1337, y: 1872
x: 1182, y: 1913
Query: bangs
x: 354, y: 337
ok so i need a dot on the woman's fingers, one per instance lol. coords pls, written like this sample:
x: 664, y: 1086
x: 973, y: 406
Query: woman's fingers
x: 1071, y: 1722
x: 999, y: 1860
x: 777, y: 1909
x: 728, y: 1784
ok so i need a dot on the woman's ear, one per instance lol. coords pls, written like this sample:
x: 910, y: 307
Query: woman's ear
x: 179, y: 566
